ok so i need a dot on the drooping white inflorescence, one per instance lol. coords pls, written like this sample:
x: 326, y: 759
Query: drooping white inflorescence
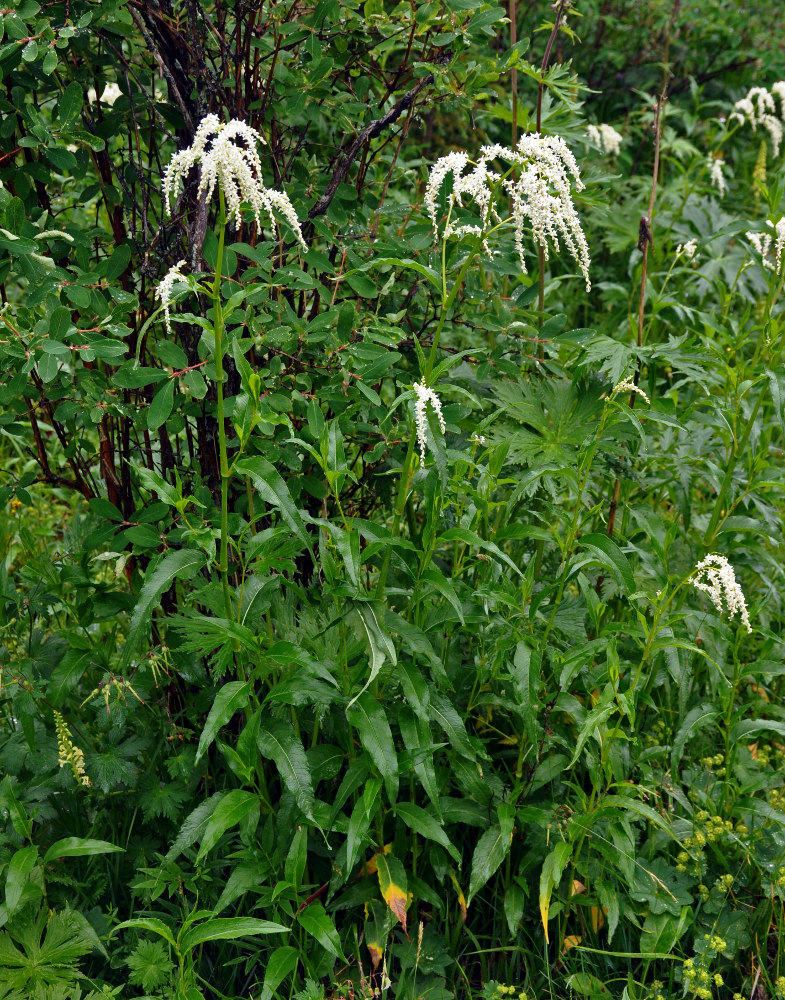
x: 424, y: 396
x: 688, y: 249
x: 760, y: 108
x: 164, y: 291
x: 606, y: 137
x: 714, y: 575
x: 539, y: 194
x: 628, y: 385
x: 762, y: 242
x: 226, y: 153
x: 717, y: 178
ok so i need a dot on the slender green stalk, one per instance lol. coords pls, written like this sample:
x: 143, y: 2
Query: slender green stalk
x: 218, y: 330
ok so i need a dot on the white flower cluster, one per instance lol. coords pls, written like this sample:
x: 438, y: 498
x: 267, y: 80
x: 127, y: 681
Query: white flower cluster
x: 606, y: 137
x: 688, y: 249
x: 164, y: 290
x: 424, y: 396
x: 627, y: 384
x: 714, y: 575
x: 226, y: 152
x: 760, y: 108
x: 762, y: 243
x: 110, y: 94
x: 717, y: 178
x: 540, y: 194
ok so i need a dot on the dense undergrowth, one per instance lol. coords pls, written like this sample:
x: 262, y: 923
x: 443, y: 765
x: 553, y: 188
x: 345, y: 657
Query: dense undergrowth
x: 383, y: 611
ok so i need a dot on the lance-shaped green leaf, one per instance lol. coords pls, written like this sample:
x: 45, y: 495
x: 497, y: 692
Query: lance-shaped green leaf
x: 234, y: 807
x: 228, y: 929
x: 550, y: 876
x: 492, y: 848
x: 417, y: 819
x: 279, y: 742
x: 232, y: 697
x: 392, y: 882
x: 366, y: 618
x: 370, y: 721
x: 175, y: 564
x: 273, y: 490
x: 79, y: 847
x: 319, y: 924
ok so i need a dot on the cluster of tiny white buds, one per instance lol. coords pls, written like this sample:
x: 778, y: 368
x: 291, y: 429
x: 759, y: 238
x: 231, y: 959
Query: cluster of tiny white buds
x: 717, y: 178
x: 606, y: 137
x: 425, y: 396
x: 762, y: 243
x: 164, y: 291
x: 760, y: 108
x: 627, y: 384
x: 540, y: 195
x: 688, y: 249
x: 478, y: 439
x: 714, y: 575
x: 226, y: 153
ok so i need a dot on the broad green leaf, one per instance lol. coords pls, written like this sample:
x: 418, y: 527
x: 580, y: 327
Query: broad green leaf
x: 19, y: 867
x: 234, y: 807
x: 174, y: 564
x: 611, y: 556
x: 315, y: 920
x: 417, y: 819
x: 228, y: 929
x: 751, y: 727
x: 492, y: 848
x: 418, y: 741
x: 280, y: 964
x: 279, y: 742
x: 231, y: 698
x: 694, y: 721
x: 194, y: 825
x: 161, y: 405
x: 550, y: 876
x: 71, y: 101
x: 273, y: 490
x: 370, y: 720
x: 514, y: 903
x: 357, y: 833
x: 474, y: 541
x: 367, y: 618
x: 593, y: 722
x: 79, y: 847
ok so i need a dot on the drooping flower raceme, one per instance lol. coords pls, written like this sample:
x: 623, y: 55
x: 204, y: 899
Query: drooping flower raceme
x: 537, y: 184
x: 760, y: 108
x: 762, y: 243
x: 715, y: 165
x: 69, y: 754
x: 226, y: 153
x: 425, y: 396
x: 714, y: 575
x: 628, y: 385
x: 164, y: 291
x: 606, y: 137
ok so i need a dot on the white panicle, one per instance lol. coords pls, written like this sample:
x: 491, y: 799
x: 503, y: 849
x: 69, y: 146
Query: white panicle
x: 226, y: 152
x: 762, y: 242
x: 779, y: 243
x: 424, y: 396
x: 606, y: 137
x: 540, y: 194
x: 714, y: 576
x: 760, y: 108
x: 688, y: 249
x: 164, y: 291
x: 628, y: 385
x: 715, y: 165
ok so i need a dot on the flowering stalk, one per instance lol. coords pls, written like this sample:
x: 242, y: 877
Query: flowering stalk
x: 218, y: 329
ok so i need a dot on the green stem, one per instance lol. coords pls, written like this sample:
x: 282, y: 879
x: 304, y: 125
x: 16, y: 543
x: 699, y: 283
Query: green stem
x: 218, y: 324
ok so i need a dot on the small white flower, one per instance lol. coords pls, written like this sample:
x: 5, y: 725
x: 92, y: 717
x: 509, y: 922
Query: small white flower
x: 760, y: 108
x: 628, y: 385
x: 226, y: 153
x: 424, y: 396
x: 478, y: 439
x: 540, y: 194
x: 688, y: 249
x: 762, y: 242
x: 164, y: 290
x: 714, y: 575
x: 715, y: 165
x: 606, y: 137
x: 779, y: 243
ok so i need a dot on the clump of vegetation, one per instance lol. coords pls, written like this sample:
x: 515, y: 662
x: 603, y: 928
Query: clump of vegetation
x: 391, y: 420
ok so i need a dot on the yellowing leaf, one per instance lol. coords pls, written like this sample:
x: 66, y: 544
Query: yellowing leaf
x: 597, y: 914
x: 392, y: 882
x: 577, y: 887
x: 571, y: 941
x: 376, y: 954
x: 370, y: 867
x: 461, y: 899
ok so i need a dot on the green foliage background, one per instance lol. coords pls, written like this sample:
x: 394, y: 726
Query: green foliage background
x: 459, y: 729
